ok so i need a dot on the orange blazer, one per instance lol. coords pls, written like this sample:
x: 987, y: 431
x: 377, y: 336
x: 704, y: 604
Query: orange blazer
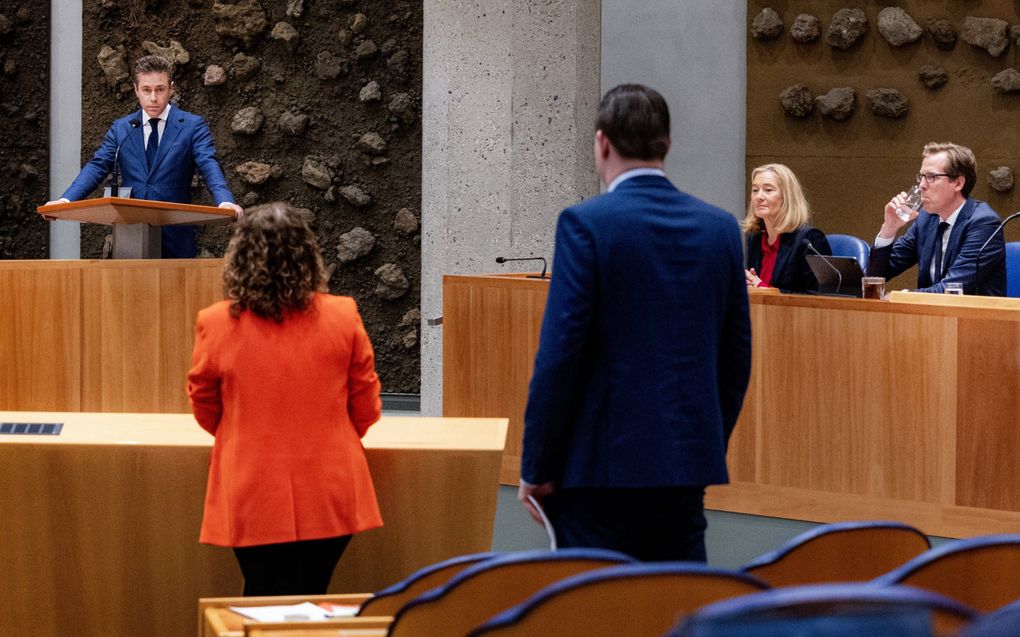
x: 288, y: 404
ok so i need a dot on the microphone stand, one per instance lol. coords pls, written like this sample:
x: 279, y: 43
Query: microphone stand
x: 977, y: 259
x: 115, y: 174
x: 839, y: 276
x: 502, y: 260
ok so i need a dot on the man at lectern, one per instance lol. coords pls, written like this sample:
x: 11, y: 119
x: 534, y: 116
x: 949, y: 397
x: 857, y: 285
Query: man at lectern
x: 158, y: 148
x: 644, y: 355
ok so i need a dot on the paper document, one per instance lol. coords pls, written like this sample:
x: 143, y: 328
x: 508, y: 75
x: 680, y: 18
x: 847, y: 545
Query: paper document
x: 545, y: 522
x: 306, y: 612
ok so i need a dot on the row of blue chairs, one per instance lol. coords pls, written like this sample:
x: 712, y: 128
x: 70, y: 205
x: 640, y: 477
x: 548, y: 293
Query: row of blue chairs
x: 845, y: 245
x: 595, y: 592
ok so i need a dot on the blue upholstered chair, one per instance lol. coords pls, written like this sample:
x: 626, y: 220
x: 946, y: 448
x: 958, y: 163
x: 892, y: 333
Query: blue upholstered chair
x: 1004, y: 622
x: 845, y: 245
x: 840, y: 552
x: 1013, y: 269
x: 982, y: 572
x: 833, y: 610
x: 389, y: 600
x: 632, y: 599
x: 480, y: 591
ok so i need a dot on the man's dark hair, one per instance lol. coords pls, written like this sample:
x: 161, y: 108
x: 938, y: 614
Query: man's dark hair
x: 635, y: 118
x: 154, y: 64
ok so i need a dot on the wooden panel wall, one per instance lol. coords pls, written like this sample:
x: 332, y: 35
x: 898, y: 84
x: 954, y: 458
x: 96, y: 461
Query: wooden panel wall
x: 101, y: 335
x: 856, y: 409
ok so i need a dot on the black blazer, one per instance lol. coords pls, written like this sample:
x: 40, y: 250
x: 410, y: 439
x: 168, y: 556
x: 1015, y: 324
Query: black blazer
x: 792, y: 273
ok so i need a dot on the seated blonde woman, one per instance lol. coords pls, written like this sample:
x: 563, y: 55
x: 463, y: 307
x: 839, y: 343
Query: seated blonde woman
x: 778, y: 233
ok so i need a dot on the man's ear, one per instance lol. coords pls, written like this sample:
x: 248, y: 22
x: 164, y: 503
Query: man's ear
x: 602, y: 144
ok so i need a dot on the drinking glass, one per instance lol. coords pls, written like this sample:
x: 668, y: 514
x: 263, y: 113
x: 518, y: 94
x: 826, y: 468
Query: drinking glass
x: 953, y: 287
x: 872, y: 287
x: 911, y: 203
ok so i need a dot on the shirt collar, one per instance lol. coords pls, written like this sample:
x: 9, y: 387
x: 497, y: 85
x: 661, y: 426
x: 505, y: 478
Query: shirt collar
x: 952, y: 218
x: 164, y: 116
x: 636, y: 172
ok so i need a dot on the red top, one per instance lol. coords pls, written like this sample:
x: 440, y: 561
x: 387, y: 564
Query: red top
x: 288, y: 404
x: 768, y: 260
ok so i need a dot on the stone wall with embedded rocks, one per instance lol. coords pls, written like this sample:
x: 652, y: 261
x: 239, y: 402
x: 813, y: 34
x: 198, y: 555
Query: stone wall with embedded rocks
x: 24, y: 127
x: 848, y: 94
x: 311, y: 102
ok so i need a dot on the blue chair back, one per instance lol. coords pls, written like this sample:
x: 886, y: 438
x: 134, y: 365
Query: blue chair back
x: 1013, y: 269
x: 1004, y: 622
x: 845, y: 245
x: 389, y: 600
x: 480, y: 591
x: 982, y: 572
x: 638, y: 600
x: 840, y: 552
x: 834, y: 610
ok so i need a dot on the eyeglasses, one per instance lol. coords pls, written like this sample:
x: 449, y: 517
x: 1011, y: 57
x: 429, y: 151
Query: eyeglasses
x: 931, y: 177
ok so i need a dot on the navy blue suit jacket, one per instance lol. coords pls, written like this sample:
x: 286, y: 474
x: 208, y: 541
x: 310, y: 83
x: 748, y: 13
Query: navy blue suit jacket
x: 186, y: 144
x: 975, y: 223
x: 791, y: 272
x: 645, y: 349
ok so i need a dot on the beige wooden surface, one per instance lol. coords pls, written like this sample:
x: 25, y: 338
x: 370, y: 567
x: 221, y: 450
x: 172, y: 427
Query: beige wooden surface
x: 100, y: 525
x: 101, y: 335
x: 108, y: 211
x: 215, y: 619
x: 906, y: 409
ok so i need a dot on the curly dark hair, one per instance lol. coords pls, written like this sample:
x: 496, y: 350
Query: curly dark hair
x: 272, y: 265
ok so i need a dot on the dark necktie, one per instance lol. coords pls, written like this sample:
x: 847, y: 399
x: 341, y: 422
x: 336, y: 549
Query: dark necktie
x: 153, y: 145
x: 938, y: 252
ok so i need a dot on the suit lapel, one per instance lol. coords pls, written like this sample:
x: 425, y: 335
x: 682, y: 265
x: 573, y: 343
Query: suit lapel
x: 787, y: 241
x: 135, y: 145
x: 173, y: 128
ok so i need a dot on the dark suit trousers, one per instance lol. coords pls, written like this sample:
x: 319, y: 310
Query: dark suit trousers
x: 290, y: 568
x: 652, y: 525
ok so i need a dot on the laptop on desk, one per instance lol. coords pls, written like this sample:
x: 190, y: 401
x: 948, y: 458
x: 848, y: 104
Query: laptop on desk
x: 837, y: 276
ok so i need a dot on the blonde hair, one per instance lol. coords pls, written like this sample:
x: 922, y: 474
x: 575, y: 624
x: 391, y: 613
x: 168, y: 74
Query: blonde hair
x: 272, y: 265
x: 794, y: 211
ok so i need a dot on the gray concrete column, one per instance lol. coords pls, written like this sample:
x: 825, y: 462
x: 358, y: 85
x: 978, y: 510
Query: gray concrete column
x: 65, y: 118
x: 510, y: 95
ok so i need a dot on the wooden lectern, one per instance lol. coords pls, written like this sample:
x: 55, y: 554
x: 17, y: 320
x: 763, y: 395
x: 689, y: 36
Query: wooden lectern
x: 136, y: 222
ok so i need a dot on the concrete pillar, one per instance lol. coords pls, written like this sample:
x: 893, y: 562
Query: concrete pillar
x: 511, y: 90
x: 65, y: 118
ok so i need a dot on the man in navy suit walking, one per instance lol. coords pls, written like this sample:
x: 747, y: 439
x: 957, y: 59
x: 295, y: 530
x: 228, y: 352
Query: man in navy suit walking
x: 944, y: 242
x: 644, y: 355
x: 160, y: 148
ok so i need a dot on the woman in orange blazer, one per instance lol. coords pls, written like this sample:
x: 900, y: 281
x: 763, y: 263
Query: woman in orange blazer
x: 283, y: 376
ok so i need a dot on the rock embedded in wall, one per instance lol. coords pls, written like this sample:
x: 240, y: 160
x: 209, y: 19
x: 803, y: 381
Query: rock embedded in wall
x: 285, y: 33
x: 897, y: 27
x: 354, y: 244
x: 175, y: 52
x: 1001, y: 179
x: 215, y: 75
x: 990, y: 34
x: 316, y: 173
x: 838, y: 104
x: 847, y: 28
x: 888, y: 102
x: 247, y: 121
x: 767, y: 25
x: 392, y: 282
x: 370, y: 92
x: 933, y: 76
x: 404, y: 222
x: 806, y: 28
x: 1007, y: 81
x: 797, y: 100
x: 243, y: 21
x: 942, y: 33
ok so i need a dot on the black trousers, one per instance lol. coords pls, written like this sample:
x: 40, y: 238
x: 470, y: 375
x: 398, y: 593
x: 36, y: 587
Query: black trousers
x: 650, y: 524
x: 290, y: 568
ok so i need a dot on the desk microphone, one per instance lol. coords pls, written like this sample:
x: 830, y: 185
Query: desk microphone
x: 977, y: 259
x: 839, y: 277
x: 502, y: 260
x: 115, y: 175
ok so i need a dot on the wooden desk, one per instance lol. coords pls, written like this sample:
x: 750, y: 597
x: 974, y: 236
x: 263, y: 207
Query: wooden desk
x: 906, y: 409
x: 99, y: 532
x: 215, y: 619
x: 101, y: 335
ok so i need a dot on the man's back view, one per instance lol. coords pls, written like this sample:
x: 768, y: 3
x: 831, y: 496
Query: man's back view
x: 644, y: 356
